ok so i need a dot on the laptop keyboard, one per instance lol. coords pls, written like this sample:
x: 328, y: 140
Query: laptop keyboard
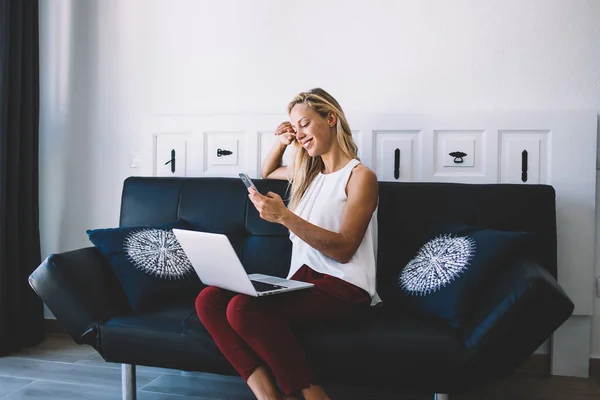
x: 265, y: 287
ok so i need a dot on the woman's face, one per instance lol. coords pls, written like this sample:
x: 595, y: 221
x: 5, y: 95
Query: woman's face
x: 313, y: 132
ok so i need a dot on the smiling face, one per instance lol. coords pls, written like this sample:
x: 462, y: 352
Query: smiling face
x: 315, y: 133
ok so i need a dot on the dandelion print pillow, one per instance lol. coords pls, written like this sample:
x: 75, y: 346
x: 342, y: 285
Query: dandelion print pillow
x: 449, y: 268
x: 149, y: 263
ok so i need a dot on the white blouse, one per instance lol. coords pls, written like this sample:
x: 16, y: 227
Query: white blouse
x: 322, y: 204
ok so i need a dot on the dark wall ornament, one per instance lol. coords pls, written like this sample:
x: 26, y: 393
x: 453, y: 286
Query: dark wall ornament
x: 458, y: 156
x: 223, y: 152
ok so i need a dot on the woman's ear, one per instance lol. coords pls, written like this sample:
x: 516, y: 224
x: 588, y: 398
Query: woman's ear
x: 331, y: 119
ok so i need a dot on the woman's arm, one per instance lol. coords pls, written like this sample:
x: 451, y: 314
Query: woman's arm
x: 363, y: 194
x: 271, y: 167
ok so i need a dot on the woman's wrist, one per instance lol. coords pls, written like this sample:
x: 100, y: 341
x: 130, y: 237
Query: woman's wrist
x: 286, y: 217
x: 280, y: 146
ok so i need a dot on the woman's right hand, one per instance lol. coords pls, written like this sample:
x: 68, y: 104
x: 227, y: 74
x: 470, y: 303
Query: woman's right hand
x: 286, y: 133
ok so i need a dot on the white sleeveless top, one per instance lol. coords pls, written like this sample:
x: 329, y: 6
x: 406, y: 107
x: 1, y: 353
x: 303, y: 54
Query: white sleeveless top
x: 322, y: 205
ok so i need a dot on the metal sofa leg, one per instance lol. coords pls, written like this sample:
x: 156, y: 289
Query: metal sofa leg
x: 128, y: 386
x: 441, y: 396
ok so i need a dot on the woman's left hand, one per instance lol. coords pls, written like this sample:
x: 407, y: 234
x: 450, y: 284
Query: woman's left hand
x: 270, y: 207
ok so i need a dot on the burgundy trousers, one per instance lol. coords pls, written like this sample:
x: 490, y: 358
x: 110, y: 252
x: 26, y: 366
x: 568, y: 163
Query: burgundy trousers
x: 257, y: 331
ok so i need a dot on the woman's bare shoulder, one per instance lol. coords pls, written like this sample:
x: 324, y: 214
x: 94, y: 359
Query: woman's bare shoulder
x: 362, y: 177
x: 363, y: 173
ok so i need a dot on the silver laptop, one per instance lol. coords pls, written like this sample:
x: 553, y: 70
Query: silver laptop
x: 217, y: 264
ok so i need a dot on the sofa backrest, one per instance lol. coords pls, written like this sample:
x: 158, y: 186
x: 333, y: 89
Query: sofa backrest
x: 406, y: 210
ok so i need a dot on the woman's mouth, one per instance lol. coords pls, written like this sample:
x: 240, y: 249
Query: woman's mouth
x: 307, y: 143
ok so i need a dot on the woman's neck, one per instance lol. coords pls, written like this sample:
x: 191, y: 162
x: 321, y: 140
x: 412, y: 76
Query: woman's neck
x: 334, y: 160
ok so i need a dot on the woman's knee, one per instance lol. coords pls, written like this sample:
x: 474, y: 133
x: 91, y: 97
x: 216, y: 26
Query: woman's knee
x: 209, y: 300
x: 240, y: 312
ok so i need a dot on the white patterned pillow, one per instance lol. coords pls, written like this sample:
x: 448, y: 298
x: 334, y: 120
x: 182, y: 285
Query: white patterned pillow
x: 149, y: 263
x: 439, y: 262
x: 450, y: 268
x: 157, y: 252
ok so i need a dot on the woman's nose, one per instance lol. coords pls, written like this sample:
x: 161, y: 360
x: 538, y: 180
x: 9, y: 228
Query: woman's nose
x: 300, y: 134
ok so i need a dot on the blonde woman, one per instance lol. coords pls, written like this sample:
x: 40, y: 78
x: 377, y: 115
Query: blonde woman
x: 332, y: 219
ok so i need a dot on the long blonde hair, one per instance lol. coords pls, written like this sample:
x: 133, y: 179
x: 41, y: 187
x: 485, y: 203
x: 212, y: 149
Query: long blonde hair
x: 305, y: 168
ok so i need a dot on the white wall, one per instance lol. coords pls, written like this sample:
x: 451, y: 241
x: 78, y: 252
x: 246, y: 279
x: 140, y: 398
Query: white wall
x: 108, y: 65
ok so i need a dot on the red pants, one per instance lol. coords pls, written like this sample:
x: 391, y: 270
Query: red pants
x: 252, y: 331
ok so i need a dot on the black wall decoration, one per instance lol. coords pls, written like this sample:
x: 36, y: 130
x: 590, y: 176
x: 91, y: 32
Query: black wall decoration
x: 458, y: 156
x: 397, y: 163
x: 223, y: 152
x: 524, y: 166
x: 172, y: 161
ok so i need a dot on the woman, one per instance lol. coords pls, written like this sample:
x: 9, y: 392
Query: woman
x: 332, y: 219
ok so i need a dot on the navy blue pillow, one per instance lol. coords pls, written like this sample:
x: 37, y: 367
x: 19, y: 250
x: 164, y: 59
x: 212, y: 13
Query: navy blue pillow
x: 441, y: 278
x: 149, y: 263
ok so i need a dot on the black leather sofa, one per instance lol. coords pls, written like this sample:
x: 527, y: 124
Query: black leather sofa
x: 385, y: 347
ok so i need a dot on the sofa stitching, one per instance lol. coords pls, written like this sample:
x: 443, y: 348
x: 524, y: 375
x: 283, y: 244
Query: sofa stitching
x: 184, y: 323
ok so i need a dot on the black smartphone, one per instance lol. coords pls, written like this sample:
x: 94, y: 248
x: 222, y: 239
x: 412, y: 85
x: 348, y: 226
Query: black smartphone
x: 247, y: 181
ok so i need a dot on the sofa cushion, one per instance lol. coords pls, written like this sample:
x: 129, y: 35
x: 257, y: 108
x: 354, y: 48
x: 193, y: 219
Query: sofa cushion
x: 380, y: 350
x: 455, y: 263
x: 162, y: 337
x: 385, y: 349
x: 149, y: 263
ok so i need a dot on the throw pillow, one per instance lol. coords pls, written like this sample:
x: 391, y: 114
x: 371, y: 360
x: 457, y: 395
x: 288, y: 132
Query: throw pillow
x: 149, y: 263
x: 441, y: 278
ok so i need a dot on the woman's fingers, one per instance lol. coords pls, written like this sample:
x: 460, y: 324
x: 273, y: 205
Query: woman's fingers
x: 287, y: 138
x: 286, y: 133
x: 283, y: 128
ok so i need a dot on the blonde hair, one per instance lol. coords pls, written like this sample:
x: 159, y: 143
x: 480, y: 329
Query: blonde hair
x: 305, y: 168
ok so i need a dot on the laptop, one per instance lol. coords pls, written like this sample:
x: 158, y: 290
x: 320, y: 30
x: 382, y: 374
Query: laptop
x: 216, y: 264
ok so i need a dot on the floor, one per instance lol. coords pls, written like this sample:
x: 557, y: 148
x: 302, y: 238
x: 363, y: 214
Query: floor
x: 59, y: 369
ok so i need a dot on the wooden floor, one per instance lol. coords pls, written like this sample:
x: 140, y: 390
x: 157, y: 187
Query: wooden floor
x: 59, y: 369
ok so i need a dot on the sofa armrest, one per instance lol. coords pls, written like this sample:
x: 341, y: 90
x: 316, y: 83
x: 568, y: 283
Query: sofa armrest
x: 80, y: 290
x: 511, y: 318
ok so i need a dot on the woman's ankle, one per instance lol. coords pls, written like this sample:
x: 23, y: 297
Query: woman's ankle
x: 262, y: 384
x: 315, y: 392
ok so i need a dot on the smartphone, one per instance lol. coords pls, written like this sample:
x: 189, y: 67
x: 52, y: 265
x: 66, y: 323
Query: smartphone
x: 247, y: 181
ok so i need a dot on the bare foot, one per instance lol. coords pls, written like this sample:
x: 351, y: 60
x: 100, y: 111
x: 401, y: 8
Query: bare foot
x: 315, y: 392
